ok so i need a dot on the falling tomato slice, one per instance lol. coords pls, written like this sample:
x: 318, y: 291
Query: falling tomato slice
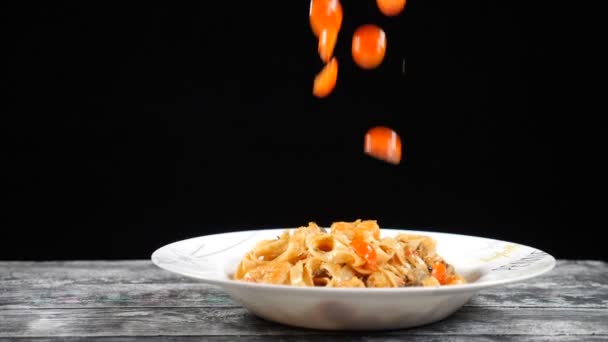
x: 327, y: 43
x: 325, y: 81
x: 391, y: 8
x: 383, y: 143
x: 325, y: 14
x: 369, y: 46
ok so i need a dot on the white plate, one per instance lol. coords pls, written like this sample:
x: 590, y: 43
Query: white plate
x: 483, y: 262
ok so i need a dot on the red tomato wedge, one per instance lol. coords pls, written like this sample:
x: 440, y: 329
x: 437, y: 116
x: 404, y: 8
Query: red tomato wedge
x: 368, y: 46
x: 327, y: 43
x: 383, y: 143
x: 325, y: 81
x: 439, y: 272
x: 325, y: 14
x: 366, y: 251
x: 391, y: 8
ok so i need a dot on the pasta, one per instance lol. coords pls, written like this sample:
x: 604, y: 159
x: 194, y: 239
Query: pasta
x: 351, y: 254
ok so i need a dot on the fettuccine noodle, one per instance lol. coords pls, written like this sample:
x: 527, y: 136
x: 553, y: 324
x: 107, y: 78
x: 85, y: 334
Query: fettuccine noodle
x: 351, y: 254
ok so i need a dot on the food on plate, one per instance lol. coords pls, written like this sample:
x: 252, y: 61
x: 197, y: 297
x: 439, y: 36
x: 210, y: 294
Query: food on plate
x: 368, y: 46
x: 349, y: 254
x: 391, y: 8
x: 383, y: 143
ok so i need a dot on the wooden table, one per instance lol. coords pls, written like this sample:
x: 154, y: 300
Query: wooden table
x: 135, y: 300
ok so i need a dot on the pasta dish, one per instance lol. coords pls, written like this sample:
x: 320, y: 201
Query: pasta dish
x: 350, y: 254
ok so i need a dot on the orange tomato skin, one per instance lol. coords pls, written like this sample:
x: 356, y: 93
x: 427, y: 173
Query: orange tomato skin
x: 439, y: 272
x: 366, y: 251
x: 325, y: 81
x: 383, y: 143
x: 325, y: 14
x: 368, y: 46
x: 327, y: 43
x: 391, y: 8
x: 454, y: 280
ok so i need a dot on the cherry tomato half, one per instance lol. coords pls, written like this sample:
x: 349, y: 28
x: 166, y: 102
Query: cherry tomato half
x: 383, y: 143
x: 439, y: 272
x: 325, y: 14
x: 369, y: 46
x: 391, y: 8
x: 325, y: 81
x: 327, y: 43
x: 366, y: 251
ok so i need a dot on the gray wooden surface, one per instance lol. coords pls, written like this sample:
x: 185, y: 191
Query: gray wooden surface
x: 135, y: 300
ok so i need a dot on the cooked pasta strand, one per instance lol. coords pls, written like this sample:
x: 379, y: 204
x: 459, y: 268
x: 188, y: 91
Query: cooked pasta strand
x: 312, y: 256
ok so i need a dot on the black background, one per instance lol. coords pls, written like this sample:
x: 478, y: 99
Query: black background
x: 132, y: 126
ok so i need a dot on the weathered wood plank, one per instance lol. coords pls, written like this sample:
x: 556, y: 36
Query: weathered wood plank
x: 144, y: 272
x: 115, y: 295
x: 120, y: 300
x: 581, y: 284
x: 371, y: 337
x: 201, y: 295
x: 237, y: 321
x: 61, y: 273
x: 573, y: 284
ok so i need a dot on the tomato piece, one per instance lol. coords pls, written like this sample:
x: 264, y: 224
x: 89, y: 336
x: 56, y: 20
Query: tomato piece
x: 325, y: 81
x: 383, y: 143
x: 368, y: 46
x: 455, y: 280
x: 439, y: 272
x: 327, y: 43
x: 391, y: 8
x: 325, y: 14
x: 366, y: 251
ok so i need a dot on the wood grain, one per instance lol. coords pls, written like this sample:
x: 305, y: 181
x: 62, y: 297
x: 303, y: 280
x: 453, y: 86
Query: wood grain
x: 324, y: 337
x: 238, y: 321
x: 572, y: 284
x: 127, y: 300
